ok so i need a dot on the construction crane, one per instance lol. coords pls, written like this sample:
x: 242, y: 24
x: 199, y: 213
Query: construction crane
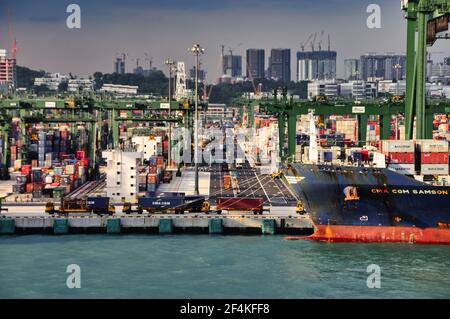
x: 11, y: 37
x: 232, y: 49
x: 149, y: 60
x: 250, y: 75
x: 320, y: 42
x: 313, y: 41
x: 302, y: 45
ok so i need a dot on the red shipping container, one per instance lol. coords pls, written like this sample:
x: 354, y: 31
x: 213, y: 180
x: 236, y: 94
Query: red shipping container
x: 151, y: 179
x: 29, y: 188
x: 434, y: 158
x: 365, y: 155
x: 160, y: 160
x: 81, y: 155
x: 25, y: 169
x: 401, y: 158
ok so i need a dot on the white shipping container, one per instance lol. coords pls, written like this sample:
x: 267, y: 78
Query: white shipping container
x: 434, y: 169
x: 432, y: 146
x: 17, y: 164
x: 70, y: 169
x: 398, y: 146
x: 379, y: 160
x: 405, y: 169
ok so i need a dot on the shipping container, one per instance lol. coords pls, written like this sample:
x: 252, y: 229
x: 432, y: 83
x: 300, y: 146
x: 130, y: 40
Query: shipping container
x: 401, y: 158
x: 432, y: 146
x: 434, y: 169
x: 160, y: 203
x: 405, y: 169
x: 396, y: 146
x: 97, y: 204
x: 434, y: 158
x: 226, y: 181
x: 237, y: 203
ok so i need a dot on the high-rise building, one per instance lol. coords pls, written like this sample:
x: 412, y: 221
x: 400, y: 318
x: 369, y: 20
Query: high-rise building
x: 201, y: 74
x: 383, y: 67
x: 352, y: 69
x: 232, y: 65
x: 280, y: 65
x: 119, y: 65
x: 255, y: 63
x: 316, y: 65
x: 7, y: 70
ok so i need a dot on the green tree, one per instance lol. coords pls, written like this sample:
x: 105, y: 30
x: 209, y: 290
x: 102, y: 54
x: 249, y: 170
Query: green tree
x: 63, y: 86
x: 26, y: 76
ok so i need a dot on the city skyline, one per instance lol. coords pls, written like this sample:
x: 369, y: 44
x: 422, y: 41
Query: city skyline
x: 154, y: 27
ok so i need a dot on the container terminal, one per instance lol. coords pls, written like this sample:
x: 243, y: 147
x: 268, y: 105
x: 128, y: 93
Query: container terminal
x: 277, y: 164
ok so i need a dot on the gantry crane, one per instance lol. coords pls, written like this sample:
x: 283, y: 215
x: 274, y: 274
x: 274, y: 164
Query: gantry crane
x: 84, y: 109
x: 422, y: 17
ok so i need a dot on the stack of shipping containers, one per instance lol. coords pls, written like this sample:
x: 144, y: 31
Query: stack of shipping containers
x: 54, y: 168
x: 432, y: 157
x: 400, y: 155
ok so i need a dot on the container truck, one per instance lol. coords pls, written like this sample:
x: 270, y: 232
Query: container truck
x: 254, y: 205
x: 1, y: 202
x: 96, y: 205
x: 226, y: 181
x: 168, y: 204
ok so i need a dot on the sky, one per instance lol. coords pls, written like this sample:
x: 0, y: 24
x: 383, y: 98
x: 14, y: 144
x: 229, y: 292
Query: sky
x: 167, y: 28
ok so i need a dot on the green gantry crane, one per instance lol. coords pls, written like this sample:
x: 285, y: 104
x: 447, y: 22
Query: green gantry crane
x: 424, y: 18
x: 83, y: 109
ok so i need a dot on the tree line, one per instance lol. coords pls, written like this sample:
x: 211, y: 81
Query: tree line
x: 156, y: 83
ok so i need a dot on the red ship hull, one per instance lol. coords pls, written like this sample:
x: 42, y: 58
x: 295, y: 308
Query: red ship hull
x: 379, y: 234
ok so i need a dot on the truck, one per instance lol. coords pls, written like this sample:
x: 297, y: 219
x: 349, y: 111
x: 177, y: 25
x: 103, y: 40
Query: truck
x: 168, y: 204
x: 239, y: 162
x: 96, y: 205
x: 254, y: 205
x: 226, y: 181
x: 167, y: 176
x: 1, y: 202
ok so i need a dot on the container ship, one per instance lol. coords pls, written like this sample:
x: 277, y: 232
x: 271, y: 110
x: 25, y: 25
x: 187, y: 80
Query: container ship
x: 394, y: 193
x: 360, y: 204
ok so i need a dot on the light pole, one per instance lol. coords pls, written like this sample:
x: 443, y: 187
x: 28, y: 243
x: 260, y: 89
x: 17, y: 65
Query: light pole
x: 170, y: 63
x: 397, y: 68
x: 196, y: 50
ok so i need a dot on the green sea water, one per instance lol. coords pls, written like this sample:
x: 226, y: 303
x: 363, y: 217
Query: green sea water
x: 202, y: 266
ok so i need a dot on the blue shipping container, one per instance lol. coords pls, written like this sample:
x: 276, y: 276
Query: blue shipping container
x: 160, y: 202
x: 327, y: 156
x: 97, y: 203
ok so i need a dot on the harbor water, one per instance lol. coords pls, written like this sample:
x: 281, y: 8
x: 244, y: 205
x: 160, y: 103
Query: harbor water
x: 202, y: 266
